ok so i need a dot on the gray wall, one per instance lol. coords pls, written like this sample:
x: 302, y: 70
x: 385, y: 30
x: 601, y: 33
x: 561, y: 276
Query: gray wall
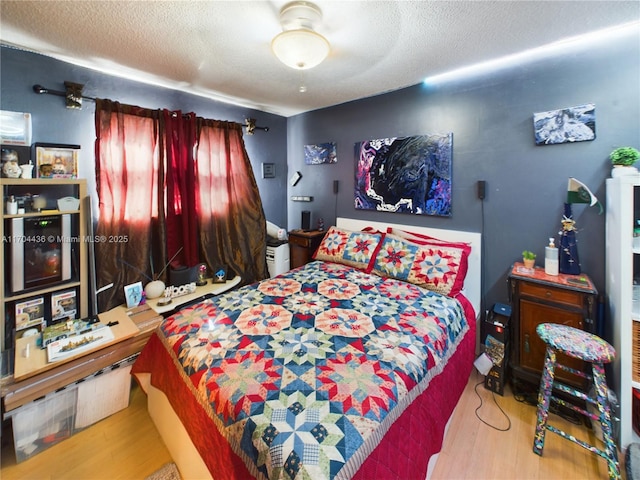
x: 53, y: 123
x: 490, y: 116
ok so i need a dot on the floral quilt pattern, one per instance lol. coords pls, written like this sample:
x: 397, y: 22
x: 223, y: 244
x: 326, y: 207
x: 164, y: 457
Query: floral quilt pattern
x: 298, y: 371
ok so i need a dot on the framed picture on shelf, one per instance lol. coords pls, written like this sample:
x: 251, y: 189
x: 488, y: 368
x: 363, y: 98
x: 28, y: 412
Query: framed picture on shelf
x: 56, y: 160
x: 133, y: 294
x: 219, y: 274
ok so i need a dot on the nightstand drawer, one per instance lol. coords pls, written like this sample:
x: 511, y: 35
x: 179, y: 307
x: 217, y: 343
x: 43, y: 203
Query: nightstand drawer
x: 302, y: 245
x: 300, y: 240
x: 552, y: 294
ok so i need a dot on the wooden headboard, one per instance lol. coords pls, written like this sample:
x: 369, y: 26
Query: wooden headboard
x: 473, y: 281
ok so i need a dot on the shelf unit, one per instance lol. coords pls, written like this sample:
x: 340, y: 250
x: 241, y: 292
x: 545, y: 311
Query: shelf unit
x: 622, y: 267
x: 51, y: 189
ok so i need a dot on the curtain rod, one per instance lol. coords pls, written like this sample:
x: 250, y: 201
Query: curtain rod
x: 74, y: 97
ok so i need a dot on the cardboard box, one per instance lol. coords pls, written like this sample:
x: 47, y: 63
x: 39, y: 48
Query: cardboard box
x: 495, y: 343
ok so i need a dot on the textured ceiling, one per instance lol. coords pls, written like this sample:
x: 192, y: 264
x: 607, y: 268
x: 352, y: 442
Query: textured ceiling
x: 221, y: 49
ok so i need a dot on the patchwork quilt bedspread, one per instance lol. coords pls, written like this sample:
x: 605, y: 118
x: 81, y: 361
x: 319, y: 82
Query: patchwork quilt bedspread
x: 304, y: 373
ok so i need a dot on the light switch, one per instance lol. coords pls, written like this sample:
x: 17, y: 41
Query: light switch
x: 268, y: 170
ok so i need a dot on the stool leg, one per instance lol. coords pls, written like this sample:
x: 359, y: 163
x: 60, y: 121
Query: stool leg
x: 602, y: 400
x: 544, y: 398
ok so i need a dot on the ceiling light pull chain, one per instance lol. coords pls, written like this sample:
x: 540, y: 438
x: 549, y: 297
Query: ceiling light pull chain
x: 303, y: 84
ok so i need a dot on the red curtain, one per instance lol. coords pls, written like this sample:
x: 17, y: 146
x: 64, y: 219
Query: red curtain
x: 168, y: 181
x: 181, y: 222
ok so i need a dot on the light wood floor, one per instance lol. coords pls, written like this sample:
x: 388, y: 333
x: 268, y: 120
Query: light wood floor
x: 127, y: 446
x: 473, y: 450
x: 124, y: 446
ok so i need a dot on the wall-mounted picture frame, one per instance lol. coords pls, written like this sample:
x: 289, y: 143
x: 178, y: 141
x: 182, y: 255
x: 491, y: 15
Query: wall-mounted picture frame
x: 15, y: 128
x: 405, y: 174
x: 133, y: 294
x: 321, y: 153
x: 219, y: 274
x: 566, y: 125
x: 56, y: 160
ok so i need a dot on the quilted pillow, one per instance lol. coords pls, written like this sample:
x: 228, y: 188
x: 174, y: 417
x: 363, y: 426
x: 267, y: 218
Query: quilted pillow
x: 423, y: 239
x: 435, y: 265
x: 357, y: 249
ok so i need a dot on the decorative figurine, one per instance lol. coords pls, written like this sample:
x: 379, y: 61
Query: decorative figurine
x: 577, y: 192
x: 569, y: 261
x: 202, y: 275
x: 11, y: 169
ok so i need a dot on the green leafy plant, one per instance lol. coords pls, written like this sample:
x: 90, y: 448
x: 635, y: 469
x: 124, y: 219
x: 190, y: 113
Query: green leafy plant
x: 527, y: 255
x: 625, y: 156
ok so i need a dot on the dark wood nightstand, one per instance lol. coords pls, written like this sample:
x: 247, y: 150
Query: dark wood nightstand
x: 302, y: 246
x: 540, y: 298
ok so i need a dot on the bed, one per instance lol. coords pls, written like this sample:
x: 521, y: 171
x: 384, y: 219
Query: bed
x: 347, y: 367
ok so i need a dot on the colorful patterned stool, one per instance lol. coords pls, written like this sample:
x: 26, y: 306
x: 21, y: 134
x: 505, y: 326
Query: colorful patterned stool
x: 590, y: 348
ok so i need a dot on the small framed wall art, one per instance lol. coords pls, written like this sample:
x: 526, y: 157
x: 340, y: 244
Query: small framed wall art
x: 15, y: 128
x: 321, y: 153
x: 56, y: 161
x: 566, y: 125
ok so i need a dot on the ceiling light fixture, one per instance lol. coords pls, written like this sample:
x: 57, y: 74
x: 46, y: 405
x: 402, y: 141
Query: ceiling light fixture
x: 299, y: 46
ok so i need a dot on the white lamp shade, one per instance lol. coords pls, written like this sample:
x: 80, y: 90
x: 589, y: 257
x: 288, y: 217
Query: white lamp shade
x: 300, y: 49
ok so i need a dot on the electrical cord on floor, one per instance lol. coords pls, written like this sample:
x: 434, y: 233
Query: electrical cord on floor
x: 497, y: 405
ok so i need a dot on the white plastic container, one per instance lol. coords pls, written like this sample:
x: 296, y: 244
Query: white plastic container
x: 12, y: 206
x: 551, y: 260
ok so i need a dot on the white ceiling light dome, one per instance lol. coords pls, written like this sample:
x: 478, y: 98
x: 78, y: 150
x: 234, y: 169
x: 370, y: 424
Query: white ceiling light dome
x: 299, y: 46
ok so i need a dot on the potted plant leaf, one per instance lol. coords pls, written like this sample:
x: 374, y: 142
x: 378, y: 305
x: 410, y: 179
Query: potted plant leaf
x: 528, y: 258
x: 622, y: 160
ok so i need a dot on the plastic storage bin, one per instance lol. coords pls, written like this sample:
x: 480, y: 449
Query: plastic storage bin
x: 43, y: 423
x: 57, y: 416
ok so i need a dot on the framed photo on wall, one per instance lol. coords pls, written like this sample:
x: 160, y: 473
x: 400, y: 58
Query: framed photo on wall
x: 56, y: 160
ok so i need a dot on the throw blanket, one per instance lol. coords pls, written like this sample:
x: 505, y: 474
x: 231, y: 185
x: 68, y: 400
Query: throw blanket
x: 304, y: 373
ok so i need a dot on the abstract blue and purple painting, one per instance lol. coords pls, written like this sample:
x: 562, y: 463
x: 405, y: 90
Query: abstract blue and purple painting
x: 319, y: 154
x: 405, y: 174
